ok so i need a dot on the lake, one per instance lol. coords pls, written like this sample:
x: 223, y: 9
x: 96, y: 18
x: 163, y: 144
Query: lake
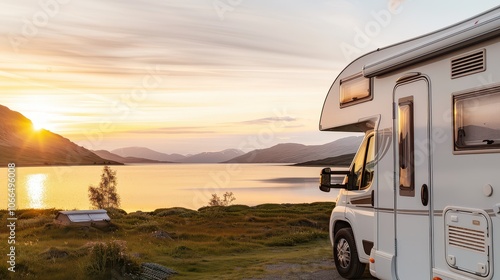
x: 148, y: 187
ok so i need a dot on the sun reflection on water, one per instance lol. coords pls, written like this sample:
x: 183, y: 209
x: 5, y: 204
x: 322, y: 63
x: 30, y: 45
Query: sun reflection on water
x: 36, y: 190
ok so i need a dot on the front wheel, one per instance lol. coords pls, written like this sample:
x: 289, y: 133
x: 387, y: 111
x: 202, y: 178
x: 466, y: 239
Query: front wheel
x: 345, y: 255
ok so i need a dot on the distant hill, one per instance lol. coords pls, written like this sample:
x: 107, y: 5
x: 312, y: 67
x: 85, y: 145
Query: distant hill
x: 145, y: 153
x: 342, y: 160
x: 213, y: 157
x: 22, y: 145
x: 206, y: 157
x: 297, y: 153
x: 110, y: 156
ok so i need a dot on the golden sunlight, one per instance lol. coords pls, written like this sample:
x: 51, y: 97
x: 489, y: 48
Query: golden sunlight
x: 40, y: 121
x: 40, y: 110
x: 35, y: 189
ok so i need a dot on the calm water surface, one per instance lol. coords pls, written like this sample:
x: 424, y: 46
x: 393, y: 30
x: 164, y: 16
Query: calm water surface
x: 151, y: 186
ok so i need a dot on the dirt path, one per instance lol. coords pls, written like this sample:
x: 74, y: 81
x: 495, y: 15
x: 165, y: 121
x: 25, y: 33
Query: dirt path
x: 315, y: 270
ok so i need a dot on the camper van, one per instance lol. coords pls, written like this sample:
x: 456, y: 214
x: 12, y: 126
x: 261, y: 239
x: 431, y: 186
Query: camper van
x: 421, y: 198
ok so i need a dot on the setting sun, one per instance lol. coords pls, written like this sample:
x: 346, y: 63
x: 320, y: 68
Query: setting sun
x: 40, y: 121
x: 37, y: 126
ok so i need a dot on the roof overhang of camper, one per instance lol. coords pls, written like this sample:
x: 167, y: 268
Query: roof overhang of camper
x: 386, y: 60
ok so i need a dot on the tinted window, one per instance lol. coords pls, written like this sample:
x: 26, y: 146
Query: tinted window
x: 354, y: 89
x: 364, y: 164
x: 405, y: 143
x: 476, y: 120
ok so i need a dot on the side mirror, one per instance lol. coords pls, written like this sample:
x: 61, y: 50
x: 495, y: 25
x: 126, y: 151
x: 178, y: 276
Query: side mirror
x: 325, y: 182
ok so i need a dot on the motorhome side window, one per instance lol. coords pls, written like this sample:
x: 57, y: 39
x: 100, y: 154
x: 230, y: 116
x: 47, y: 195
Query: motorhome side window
x: 354, y: 89
x: 477, y: 120
x: 364, y: 164
x: 405, y: 144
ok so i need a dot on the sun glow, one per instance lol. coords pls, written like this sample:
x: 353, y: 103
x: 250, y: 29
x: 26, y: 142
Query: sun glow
x: 38, y: 126
x: 40, y: 120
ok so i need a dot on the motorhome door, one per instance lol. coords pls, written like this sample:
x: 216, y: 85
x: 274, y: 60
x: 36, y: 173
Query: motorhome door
x: 412, y: 178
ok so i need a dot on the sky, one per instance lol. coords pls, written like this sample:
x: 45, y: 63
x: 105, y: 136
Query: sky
x: 195, y: 75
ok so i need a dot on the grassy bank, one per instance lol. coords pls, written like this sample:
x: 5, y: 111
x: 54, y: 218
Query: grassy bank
x: 232, y: 242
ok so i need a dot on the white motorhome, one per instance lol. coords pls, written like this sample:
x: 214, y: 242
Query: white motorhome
x: 421, y: 199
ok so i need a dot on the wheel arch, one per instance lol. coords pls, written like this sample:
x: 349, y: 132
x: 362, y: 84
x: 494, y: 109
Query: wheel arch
x: 340, y: 225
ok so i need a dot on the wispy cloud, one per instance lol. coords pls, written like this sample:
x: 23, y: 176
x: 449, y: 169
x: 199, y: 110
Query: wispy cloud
x: 268, y: 120
x: 218, y: 77
x: 174, y: 130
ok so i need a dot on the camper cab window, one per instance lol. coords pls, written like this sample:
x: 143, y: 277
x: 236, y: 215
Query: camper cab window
x: 364, y: 164
x: 354, y: 89
x: 477, y: 120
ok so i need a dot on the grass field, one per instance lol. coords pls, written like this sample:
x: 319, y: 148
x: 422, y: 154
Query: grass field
x: 232, y: 242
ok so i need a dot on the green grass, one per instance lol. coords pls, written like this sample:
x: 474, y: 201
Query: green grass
x: 230, y: 242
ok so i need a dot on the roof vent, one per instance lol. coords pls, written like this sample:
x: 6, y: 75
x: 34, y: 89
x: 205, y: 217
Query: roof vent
x: 469, y: 63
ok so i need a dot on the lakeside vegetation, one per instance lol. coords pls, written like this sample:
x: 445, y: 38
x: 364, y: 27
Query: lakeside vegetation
x: 217, y: 242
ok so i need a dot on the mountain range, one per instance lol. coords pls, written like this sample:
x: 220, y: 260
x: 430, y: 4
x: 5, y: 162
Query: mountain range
x: 281, y: 153
x: 144, y: 155
x: 20, y: 143
x: 297, y: 153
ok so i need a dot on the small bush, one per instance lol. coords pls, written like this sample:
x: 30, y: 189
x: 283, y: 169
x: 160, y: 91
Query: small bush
x: 105, y: 257
x: 227, y: 199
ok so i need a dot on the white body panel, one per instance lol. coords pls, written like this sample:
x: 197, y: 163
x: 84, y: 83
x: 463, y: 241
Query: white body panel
x: 404, y: 238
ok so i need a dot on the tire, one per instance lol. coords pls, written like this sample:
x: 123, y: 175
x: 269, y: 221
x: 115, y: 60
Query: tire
x: 346, y: 256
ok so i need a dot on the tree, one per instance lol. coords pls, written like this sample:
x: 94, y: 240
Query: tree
x: 217, y: 201
x: 105, y: 195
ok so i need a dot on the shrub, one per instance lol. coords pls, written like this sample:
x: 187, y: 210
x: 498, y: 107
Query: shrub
x: 228, y: 197
x: 105, y: 257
